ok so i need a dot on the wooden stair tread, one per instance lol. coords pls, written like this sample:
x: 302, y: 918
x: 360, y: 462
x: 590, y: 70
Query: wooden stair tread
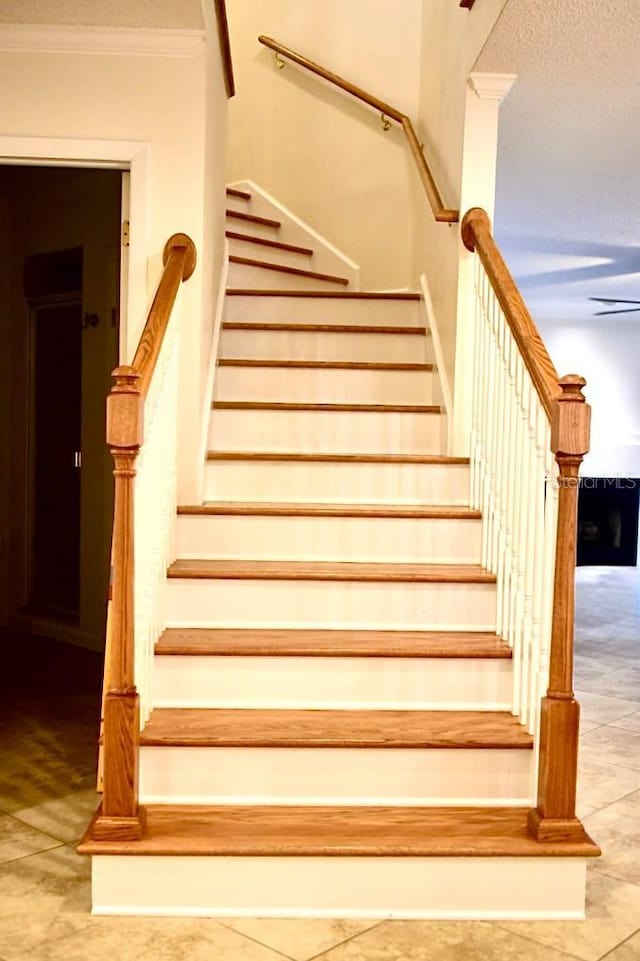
x: 275, y: 830
x: 330, y: 571
x: 326, y: 328
x: 327, y: 408
x: 267, y: 242
x: 253, y: 219
x: 441, y: 459
x: 346, y: 294
x: 324, y: 364
x: 285, y: 269
x: 242, y: 194
x: 326, y: 643
x: 247, y: 727
x: 307, y: 509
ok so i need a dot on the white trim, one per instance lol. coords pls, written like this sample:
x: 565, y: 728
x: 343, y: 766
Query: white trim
x: 492, y: 86
x: 318, y: 705
x: 486, y: 628
x: 260, y: 800
x: 203, y: 446
x: 432, y: 326
x: 113, y: 41
x: 319, y: 238
x: 314, y: 913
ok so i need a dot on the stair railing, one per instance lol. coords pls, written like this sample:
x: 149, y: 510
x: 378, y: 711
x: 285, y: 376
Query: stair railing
x: 388, y: 113
x: 530, y: 432
x: 142, y: 435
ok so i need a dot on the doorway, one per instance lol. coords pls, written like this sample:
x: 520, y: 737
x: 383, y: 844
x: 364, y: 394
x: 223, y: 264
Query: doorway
x: 60, y: 318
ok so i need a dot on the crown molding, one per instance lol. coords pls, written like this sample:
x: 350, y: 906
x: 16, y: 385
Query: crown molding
x: 113, y: 41
x: 492, y: 86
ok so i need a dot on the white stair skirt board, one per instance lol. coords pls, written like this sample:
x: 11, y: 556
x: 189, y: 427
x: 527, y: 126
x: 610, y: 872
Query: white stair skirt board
x: 325, y: 345
x: 489, y: 888
x: 349, y: 683
x: 341, y: 432
x: 410, y: 539
x: 331, y: 604
x: 337, y: 482
x: 324, y: 310
x: 261, y: 278
x: 335, y: 776
x: 257, y: 251
x: 322, y: 385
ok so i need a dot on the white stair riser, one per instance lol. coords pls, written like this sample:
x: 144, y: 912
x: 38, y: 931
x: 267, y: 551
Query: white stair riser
x: 337, y: 482
x: 324, y: 310
x: 350, y: 683
x: 341, y: 432
x: 250, y: 227
x: 330, y: 604
x: 327, y: 775
x: 423, y: 540
x: 260, y: 278
x: 321, y: 386
x: 239, y: 203
x: 289, y: 258
x: 340, y: 887
x: 321, y: 345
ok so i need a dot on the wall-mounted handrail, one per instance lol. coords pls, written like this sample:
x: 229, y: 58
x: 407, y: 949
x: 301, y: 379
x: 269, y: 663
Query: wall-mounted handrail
x: 120, y: 815
x: 525, y: 469
x: 441, y: 213
x: 225, y: 46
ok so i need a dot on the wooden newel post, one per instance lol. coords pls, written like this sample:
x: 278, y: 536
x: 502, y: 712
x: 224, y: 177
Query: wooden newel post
x: 120, y: 816
x: 554, y: 817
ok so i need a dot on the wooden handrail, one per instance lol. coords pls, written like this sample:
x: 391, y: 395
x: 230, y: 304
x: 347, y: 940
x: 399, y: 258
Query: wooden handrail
x: 441, y: 213
x: 225, y: 46
x: 477, y: 236
x: 120, y: 815
x: 554, y: 817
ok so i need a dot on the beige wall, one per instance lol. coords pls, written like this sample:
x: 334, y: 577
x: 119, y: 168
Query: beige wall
x: 49, y: 211
x: 451, y: 41
x: 321, y: 153
x: 166, y: 103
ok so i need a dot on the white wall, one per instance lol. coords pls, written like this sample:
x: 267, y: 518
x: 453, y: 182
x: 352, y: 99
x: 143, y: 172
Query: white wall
x: 118, y: 13
x: 161, y: 102
x: 317, y: 150
x: 607, y: 357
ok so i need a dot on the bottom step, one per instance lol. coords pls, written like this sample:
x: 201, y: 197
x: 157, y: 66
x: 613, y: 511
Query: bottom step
x: 339, y: 862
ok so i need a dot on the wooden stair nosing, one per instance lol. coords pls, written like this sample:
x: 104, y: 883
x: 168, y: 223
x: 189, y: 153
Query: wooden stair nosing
x: 241, y: 194
x: 348, y: 831
x: 285, y: 269
x: 284, y: 406
x: 308, y: 509
x: 347, y: 571
x: 347, y: 294
x: 435, y: 459
x: 251, y: 727
x: 266, y: 242
x: 253, y: 219
x: 325, y: 328
x: 325, y: 364
x: 270, y: 642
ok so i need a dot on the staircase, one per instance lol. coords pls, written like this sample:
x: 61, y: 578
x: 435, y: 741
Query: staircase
x: 333, y: 729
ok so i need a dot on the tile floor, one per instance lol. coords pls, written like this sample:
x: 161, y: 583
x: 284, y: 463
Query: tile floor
x: 47, y: 764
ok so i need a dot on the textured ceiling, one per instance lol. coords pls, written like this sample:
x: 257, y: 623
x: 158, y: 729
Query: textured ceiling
x: 568, y: 201
x: 176, y: 14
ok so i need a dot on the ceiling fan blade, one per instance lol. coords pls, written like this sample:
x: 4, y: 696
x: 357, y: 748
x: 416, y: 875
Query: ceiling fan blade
x: 627, y: 310
x: 613, y: 300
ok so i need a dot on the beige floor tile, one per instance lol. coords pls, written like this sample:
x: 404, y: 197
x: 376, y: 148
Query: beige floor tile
x: 629, y: 951
x: 440, y: 941
x: 600, y: 784
x: 18, y: 840
x: 623, y: 684
x: 629, y: 723
x: 601, y: 708
x: 613, y: 913
x: 586, y: 726
x: 65, y: 818
x: 42, y: 898
x: 151, y: 939
x: 613, y: 746
x: 301, y: 939
x: 617, y: 830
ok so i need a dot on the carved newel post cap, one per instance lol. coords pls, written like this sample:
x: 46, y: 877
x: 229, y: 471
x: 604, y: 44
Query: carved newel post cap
x: 125, y: 409
x: 127, y: 380
x: 571, y: 422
